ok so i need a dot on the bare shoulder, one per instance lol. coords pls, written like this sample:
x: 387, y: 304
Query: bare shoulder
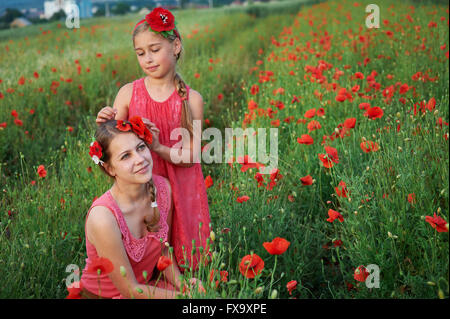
x: 101, y: 221
x: 125, y: 92
x: 195, y: 97
x: 196, y: 104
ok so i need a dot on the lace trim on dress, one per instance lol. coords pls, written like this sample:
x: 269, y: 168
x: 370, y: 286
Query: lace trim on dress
x: 135, y: 247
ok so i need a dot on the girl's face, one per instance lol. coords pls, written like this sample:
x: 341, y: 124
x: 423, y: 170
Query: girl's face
x: 156, y: 55
x: 130, y: 159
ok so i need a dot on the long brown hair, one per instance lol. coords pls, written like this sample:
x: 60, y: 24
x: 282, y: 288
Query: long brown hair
x: 180, y: 85
x: 104, y: 135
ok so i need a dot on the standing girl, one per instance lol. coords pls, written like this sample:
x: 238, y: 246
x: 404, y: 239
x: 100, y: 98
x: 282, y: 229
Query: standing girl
x: 166, y: 103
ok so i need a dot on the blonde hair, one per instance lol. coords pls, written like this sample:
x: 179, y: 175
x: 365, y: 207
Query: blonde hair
x: 104, y: 135
x: 180, y: 85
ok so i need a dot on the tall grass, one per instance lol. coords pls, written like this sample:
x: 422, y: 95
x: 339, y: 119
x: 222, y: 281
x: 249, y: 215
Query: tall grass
x: 42, y: 223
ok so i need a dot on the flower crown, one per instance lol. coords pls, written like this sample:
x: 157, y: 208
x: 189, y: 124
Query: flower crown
x: 161, y: 21
x: 135, y: 125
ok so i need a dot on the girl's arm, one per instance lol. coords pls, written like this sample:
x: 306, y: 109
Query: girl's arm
x: 119, y: 111
x: 189, y: 153
x: 103, y: 232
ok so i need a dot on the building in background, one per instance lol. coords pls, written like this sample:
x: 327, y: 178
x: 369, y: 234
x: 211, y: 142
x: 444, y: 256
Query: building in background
x: 52, y: 7
x: 19, y: 23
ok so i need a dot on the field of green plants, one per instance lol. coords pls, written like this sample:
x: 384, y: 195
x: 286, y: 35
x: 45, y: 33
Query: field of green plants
x: 362, y: 117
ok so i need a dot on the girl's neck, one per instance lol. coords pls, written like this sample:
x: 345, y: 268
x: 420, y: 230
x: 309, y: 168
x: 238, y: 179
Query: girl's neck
x: 166, y: 83
x: 129, y: 194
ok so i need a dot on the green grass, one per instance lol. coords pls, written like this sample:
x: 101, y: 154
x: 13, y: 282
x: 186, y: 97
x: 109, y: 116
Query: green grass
x: 35, y: 249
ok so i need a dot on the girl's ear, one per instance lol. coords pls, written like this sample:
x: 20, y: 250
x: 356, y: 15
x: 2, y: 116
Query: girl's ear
x: 177, y: 46
x: 109, y: 169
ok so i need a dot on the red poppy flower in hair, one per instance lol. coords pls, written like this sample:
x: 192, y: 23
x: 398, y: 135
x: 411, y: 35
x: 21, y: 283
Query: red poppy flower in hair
x: 95, y: 152
x: 161, y: 21
x: 137, y: 126
x: 123, y: 126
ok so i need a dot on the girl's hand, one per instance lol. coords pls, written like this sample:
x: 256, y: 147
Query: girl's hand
x: 105, y: 114
x: 155, y: 132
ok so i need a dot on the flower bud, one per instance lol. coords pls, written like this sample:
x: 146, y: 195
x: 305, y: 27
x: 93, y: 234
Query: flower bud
x: 123, y: 271
x: 274, y: 294
x: 139, y: 290
x: 441, y: 294
x: 212, y: 235
x: 430, y: 283
x: 145, y: 274
x: 259, y: 290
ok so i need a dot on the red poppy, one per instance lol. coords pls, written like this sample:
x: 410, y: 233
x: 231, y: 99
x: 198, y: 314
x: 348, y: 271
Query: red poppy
x: 41, y: 171
x: 332, y: 154
x: 242, y: 199
x: 251, y: 266
x: 148, y: 137
x: 100, y: 266
x: 163, y: 263
x: 252, y: 105
x: 369, y: 146
x: 337, y: 243
x: 307, y: 180
x: 305, y: 139
x: 313, y: 125
x: 374, y: 112
x: 361, y: 274
x: 208, y: 181
x: 277, y: 246
x: 438, y: 223
x: 21, y: 80
x: 412, y: 198
x: 14, y: 113
x: 3, y: 124
x: 364, y: 106
x: 254, y: 89
x: 95, y: 151
x: 320, y: 112
x: 18, y: 122
x: 291, y: 285
x: 310, y: 113
x: 350, y: 122
x: 341, y: 190
x: 74, y: 290
x: 334, y: 215
x: 431, y: 104
x: 247, y: 163
x: 359, y: 75
x: 138, y: 126
x: 123, y: 126
x: 160, y: 20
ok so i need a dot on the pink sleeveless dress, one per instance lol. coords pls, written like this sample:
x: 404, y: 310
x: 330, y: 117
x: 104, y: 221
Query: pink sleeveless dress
x: 143, y: 253
x: 188, y: 185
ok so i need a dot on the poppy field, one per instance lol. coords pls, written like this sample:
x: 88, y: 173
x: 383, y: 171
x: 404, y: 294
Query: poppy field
x: 358, y: 205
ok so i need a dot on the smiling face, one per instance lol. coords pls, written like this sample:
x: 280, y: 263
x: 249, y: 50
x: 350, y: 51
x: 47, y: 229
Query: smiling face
x: 156, y: 55
x: 130, y: 159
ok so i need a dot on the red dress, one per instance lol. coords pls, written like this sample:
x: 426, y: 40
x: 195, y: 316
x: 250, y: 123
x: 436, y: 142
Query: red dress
x: 143, y: 253
x: 188, y: 185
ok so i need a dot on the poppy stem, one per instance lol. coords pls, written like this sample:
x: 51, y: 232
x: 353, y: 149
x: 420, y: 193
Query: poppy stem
x: 271, y: 279
x: 98, y: 281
